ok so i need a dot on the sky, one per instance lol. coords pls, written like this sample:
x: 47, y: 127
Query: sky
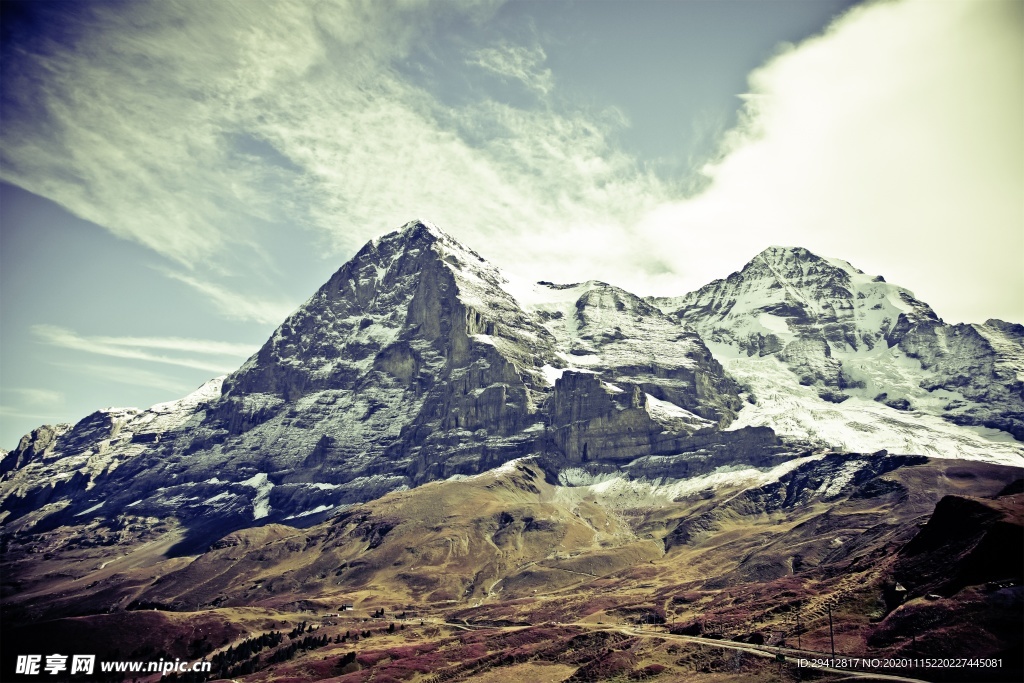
x: 176, y: 177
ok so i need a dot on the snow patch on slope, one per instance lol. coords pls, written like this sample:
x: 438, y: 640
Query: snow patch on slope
x: 858, y: 424
x: 172, y: 415
x: 318, y: 509
x: 94, y: 508
x: 261, y: 503
x: 614, y: 491
x: 665, y: 412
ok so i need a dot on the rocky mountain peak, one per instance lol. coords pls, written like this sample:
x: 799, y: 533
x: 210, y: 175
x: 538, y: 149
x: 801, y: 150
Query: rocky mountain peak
x: 780, y: 254
x: 799, y: 267
x: 420, y: 236
x: 785, y: 293
x: 842, y: 334
x: 417, y: 281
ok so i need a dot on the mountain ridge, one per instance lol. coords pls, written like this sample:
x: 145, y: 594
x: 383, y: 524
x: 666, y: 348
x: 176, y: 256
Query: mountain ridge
x: 413, y: 363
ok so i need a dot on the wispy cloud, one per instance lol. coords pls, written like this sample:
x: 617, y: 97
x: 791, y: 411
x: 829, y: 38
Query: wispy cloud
x: 133, y: 348
x: 202, y: 130
x: 518, y: 63
x: 203, y: 346
x: 8, y: 411
x: 32, y: 403
x: 125, y: 374
x: 36, y: 396
x: 235, y: 305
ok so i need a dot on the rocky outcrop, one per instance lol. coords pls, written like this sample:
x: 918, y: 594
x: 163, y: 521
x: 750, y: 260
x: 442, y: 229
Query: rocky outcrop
x: 967, y: 541
x: 593, y: 420
x: 610, y: 426
x: 94, y: 432
x: 34, y: 446
x: 810, y: 359
x: 983, y: 363
x: 622, y: 338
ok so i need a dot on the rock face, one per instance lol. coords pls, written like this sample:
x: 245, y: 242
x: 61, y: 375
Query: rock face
x: 624, y: 338
x: 409, y: 362
x: 414, y: 363
x: 34, y: 446
x: 983, y: 363
x: 593, y: 420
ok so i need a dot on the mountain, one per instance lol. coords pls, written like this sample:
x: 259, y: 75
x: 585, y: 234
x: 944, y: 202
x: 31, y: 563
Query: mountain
x: 422, y: 434
x: 794, y: 328
x: 412, y: 363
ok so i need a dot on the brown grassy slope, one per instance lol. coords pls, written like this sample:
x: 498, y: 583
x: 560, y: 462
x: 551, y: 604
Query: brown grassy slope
x: 511, y: 548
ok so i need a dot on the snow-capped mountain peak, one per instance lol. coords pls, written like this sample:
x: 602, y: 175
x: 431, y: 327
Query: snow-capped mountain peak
x: 788, y: 293
x: 840, y: 335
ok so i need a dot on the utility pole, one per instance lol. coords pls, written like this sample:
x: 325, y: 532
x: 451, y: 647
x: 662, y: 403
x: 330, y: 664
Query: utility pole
x: 831, y: 636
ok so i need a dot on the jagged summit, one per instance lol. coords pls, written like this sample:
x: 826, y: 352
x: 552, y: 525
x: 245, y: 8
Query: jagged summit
x: 423, y: 232
x: 778, y: 251
x: 416, y: 225
x: 788, y: 292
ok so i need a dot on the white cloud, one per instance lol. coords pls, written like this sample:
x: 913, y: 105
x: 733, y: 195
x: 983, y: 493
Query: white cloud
x: 191, y: 128
x: 518, y: 63
x: 32, y: 404
x: 137, y: 127
x: 893, y: 141
x: 131, y: 348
